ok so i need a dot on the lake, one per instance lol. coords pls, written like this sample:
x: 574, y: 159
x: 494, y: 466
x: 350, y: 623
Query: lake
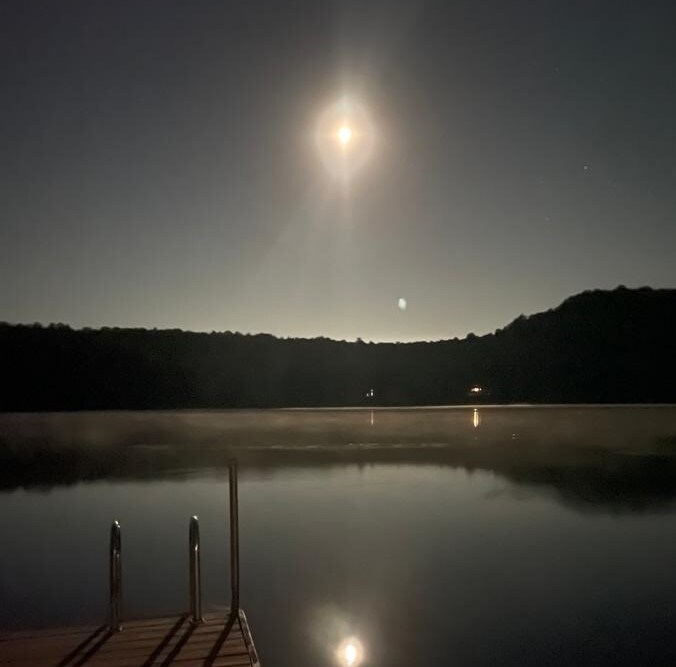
x: 448, y: 536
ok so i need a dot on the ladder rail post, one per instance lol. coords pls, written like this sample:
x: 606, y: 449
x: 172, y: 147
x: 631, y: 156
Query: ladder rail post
x: 195, y: 572
x: 115, y: 577
x: 234, y: 539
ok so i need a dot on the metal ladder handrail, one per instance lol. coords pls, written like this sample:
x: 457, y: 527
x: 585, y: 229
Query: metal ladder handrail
x: 195, y: 571
x: 115, y: 577
x: 195, y: 574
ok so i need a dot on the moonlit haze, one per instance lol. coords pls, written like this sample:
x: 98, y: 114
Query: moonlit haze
x: 294, y: 168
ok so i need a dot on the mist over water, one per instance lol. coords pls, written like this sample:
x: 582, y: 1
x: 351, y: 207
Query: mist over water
x: 468, y: 536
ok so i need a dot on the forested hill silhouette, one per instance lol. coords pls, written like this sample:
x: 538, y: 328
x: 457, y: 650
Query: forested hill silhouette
x: 596, y: 347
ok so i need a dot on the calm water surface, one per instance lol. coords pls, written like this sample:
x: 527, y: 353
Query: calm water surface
x: 472, y: 550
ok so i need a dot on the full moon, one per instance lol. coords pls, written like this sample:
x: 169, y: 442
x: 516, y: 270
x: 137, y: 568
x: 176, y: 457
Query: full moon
x: 401, y: 304
x: 345, y: 135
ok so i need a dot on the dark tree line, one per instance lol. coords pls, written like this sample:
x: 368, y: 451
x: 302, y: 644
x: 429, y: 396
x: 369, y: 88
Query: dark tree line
x: 598, y: 346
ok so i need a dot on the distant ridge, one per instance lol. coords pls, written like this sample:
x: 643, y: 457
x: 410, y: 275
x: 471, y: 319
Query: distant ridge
x: 599, y: 346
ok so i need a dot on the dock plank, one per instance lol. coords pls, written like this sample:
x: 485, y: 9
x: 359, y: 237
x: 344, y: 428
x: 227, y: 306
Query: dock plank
x: 157, y: 642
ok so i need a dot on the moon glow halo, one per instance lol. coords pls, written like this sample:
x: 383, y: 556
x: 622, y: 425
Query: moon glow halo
x: 344, y: 138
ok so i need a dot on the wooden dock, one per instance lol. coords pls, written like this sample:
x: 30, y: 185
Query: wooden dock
x: 157, y: 642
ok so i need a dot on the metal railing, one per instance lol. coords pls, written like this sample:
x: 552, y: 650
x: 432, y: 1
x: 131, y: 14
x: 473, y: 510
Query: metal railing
x: 234, y: 539
x: 115, y: 560
x: 115, y: 577
x: 195, y: 573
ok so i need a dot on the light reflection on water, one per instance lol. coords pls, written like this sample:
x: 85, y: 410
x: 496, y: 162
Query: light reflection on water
x: 350, y: 652
x: 423, y: 559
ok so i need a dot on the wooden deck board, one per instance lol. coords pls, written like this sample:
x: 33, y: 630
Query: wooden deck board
x: 157, y: 642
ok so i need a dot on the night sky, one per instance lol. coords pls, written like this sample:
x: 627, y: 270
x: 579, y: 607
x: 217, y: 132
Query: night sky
x: 170, y: 164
